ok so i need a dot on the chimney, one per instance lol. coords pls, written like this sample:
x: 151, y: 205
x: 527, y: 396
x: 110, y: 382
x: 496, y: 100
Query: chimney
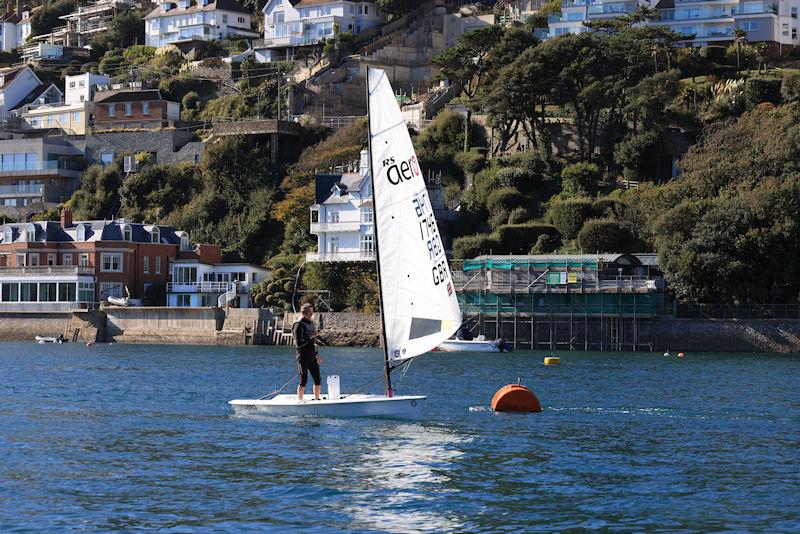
x: 66, y: 218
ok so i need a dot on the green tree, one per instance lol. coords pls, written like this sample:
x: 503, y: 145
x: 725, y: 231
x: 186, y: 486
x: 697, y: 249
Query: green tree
x: 605, y: 235
x: 581, y: 179
x: 98, y: 195
x: 568, y: 216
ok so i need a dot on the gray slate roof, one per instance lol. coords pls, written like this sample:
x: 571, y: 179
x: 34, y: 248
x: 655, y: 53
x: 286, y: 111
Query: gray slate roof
x: 51, y: 231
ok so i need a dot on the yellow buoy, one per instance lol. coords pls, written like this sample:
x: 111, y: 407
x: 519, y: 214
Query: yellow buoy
x: 552, y: 360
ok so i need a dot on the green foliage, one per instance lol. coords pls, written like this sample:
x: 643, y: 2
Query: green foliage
x: 568, y: 216
x: 790, y: 87
x: 758, y: 90
x: 471, y: 162
x: 139, y: 54
x: 605, y: 235
x: 519, y: 216
x: 397, y: 8
x: 520, y: 238
x: 352, y: 287
x: 545, y: 244
x: 190, y: 103
x: 715, y: 54
x: 52, y: 214
x: 581, y: 179
x: 175, y: 88
x: 45, y: 19
x: 97, y: 196
x: 632, y: 154
x: 501, y: 202
x: 438, y: 145
x: 124, y: 30
x: 155, y: 191
x: 471, y: 246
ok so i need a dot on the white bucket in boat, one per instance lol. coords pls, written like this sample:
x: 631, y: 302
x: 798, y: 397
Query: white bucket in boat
x: 333, y: 387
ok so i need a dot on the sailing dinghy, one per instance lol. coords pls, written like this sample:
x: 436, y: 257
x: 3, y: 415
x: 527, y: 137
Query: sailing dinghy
x: 418, y: 302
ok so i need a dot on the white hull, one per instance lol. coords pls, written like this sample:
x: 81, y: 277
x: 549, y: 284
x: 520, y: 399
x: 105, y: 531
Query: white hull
x: 401, y: 407
x: 474, y: 345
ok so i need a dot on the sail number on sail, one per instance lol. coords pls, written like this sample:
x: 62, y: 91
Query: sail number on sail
x: 429, y: 233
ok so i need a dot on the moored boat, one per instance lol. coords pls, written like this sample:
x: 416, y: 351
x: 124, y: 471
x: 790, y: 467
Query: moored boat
x: 472, y: 345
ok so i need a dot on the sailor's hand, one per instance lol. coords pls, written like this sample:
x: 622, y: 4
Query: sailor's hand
x: 319, y: 359
x: 314, y: 334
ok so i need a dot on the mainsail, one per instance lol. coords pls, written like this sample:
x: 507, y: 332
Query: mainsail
x: 418, y: 299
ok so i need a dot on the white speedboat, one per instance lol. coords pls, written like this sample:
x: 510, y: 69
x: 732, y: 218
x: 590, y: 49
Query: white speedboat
x: 418, y: 303
x: 399, y: 407
x: 471, y: 345
x: 41, y: 340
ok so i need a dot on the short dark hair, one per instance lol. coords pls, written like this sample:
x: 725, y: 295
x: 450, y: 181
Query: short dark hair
x: 306, y: 306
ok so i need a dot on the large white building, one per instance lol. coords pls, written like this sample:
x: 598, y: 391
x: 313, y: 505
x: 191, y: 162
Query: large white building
x: 191, y: 20
x: 292, y: 23
x: 195, y: 284
x: 709, y: 21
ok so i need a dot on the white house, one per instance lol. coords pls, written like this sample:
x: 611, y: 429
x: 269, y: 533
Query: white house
x: 189, y: 20
x: 80, y: 88
x: 8, y: 31
x: 291, y: 23
x: 16, y: 84
x: 195, y: 284
x: 342, y: 218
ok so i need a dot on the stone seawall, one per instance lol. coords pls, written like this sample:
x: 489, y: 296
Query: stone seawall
x: 26, y: 326
x: 164, y: 325
x: 350, y: 329
x: 727, y: 335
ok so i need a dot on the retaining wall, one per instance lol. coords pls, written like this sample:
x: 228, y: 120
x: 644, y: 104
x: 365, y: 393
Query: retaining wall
x: 21, y: 326
x: 163, y: 325
x: 728, y: 335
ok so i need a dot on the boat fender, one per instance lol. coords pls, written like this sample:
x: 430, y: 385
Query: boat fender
x: 552, y: 360
x: 681, y: 355
x: 515, y: 398
x: 89, y: 344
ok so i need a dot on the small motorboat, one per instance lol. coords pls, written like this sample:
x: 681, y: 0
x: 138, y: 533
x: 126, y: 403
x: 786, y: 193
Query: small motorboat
x: 41, y: 340
x: 479, y: 344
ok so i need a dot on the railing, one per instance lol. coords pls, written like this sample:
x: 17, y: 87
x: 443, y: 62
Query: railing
x: 198, y: 287
x: 22, y: 189
x: 46, y: 270
x: 732, y: 311
x: 341, y: 256
x: 343, y: 226
x: 668, y: 15
x: 34, y: 167
x: 536, y: 282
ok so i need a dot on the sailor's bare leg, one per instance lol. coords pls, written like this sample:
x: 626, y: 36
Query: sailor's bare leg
x: 317, y: 391
x: 300, y: 391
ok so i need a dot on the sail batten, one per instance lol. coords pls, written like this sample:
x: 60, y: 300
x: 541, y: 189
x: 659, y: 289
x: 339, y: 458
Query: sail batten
x: 418, y: 300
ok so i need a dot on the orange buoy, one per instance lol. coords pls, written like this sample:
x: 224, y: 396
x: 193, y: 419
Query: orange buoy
x: 515, y: 398
x: 681, y: 355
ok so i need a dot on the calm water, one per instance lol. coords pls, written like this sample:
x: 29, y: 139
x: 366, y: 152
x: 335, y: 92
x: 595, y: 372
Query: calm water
x: 140, y: 437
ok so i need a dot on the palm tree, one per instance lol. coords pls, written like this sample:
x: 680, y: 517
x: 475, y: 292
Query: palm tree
x: 740, y: 37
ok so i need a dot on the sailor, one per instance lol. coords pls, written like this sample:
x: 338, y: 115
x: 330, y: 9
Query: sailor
x: 308, y: 358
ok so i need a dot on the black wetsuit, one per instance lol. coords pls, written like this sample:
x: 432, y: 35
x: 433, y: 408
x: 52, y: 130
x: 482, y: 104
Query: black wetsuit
x: 306, y: 351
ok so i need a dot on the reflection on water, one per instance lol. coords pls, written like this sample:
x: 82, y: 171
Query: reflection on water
x: 141, y: 437
x: 411, y: 463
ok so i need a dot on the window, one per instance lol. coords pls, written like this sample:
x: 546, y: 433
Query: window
x: 51, y: 120
x: 145, y: 108
x: 112, y: 110
x: 794, y: 33
x: 333, y: 245
x: 127, y: 233
x: 158, y: 264
x: 240, y: 20
x: 30, y: 233
x: 66, y: 260
x: 86, y: 291
x: 184, y: 275
x: 111, y: 262
x: 155, y: 235
x: 80, y: 233
x: 128, y: 109
x: 207, y: 301
x: 749, y: 25
x: 83, y: 260
x: 224, y: 19
x: 794, y: 12
x: 10, y: 292
x: 184, y: 242
x: 366, y: 243
x: 72, y: 85
x: 82, y: 83
x: 36, y: 122
x: 8, y: 235
x: 76, y: 116
x: 51, y: 260
x: 48, y: 292
x: 29, y: 292
x: 106, y: 158
x: 110, y: 289
x: 183, y: 301
x: 64, y: 118
x: 66, y: 292
x: 279, y: 17
x: 33, y: 260
x: 333, y: 216
x: 21, y: 260
x: 146, y: 267
x: 366, y: 215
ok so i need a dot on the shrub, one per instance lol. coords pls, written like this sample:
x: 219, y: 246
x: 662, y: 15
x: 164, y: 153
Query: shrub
x: 506, y: 198
x: 713, y: 53
x: 568, y: 216
x: 470, y: 246
x: 790, y: 86
x: 519, y: 238
x: 605, y: 235
x: 581, y: 178
x: 607, y: 207
x: 472, y: 161
x: 630, y: 154
x: 518, y: 216
x: 546, y: 244
x: 758, y: 90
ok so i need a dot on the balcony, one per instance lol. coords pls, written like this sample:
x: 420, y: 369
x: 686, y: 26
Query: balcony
x: 45, y: 168
x: 200, y: 287
x: 343, y: 226
x: 54, y: 270
x: 35, y: 190
x: 341, y: 256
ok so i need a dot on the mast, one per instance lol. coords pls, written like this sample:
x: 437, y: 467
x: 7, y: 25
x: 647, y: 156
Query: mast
x: 387, y: 365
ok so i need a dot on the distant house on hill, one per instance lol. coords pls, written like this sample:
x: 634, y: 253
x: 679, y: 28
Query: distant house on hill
x: 292, y: 23
x: 16, y: 83
x: 196, y: 20
x: 133, y: 108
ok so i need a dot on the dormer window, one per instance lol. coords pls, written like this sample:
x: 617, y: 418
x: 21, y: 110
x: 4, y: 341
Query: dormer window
x: 30, y: 233
x: 155, y: 235
x: 166, y: 6
x: 80, y: 233
x: 184, y: 241
x: 184, y: 4
x: 127, y: 233
x: 8, y: 235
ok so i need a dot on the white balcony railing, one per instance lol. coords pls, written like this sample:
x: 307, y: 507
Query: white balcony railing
x: 200, y: 287
x: 341, y: 256
x: 343, y: 226
x: 46, y: 270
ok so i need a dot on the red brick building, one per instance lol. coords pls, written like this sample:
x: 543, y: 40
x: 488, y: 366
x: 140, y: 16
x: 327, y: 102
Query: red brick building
x: 67, y: 264
x: 134, y: 109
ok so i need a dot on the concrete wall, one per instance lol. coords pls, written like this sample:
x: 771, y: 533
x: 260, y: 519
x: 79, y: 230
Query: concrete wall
x: 26, y: 326
x: 163, y: 325
x: 728, y: 335
x: 346, y: 329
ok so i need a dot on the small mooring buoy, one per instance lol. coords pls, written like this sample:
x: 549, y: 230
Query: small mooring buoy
x: 681, y: 355
x: 515, y: 398
x: 552, y: 360
x: 666, y: 354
